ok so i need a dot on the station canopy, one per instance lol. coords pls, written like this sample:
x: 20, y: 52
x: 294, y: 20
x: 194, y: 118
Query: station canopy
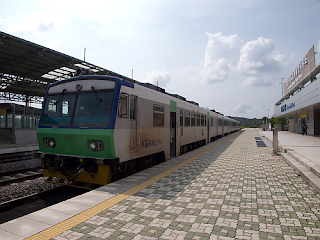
x: 27, y: 69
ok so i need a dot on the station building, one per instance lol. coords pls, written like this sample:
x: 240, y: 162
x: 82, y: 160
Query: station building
x: 301, y: 97
x: 18, y: 124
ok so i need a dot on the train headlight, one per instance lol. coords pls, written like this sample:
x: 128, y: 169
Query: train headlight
x: 96, y: 145
x: 50, y: 142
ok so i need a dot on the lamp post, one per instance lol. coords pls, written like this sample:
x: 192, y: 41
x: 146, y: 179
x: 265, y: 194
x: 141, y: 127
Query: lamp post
x: 281, y: 82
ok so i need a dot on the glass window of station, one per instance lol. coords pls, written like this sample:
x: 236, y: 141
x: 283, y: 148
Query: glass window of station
x: 18, y: 116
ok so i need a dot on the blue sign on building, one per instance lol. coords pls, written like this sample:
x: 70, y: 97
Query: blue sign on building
x: 285, y: 107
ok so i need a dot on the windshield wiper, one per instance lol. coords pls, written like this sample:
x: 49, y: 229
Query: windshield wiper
x: 60, y: 97
x: 97, y: 96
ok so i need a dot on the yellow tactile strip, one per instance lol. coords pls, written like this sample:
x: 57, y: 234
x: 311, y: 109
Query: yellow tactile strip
x: 59, y: 228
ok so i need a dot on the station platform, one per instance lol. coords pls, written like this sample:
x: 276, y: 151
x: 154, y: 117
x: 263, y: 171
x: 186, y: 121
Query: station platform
x: 228, y: 189
x: 302, y: 152
x: 17, y: 148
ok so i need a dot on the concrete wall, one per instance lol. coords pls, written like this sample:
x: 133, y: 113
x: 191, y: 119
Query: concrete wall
x: 6, y: 135
x: 292, y: 125
x: 26, y: 135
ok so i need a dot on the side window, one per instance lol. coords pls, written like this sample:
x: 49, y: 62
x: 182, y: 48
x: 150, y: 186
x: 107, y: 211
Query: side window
x: 187, y: 118
x: 65, y: 108
x: 211, y: 121
x: 193, y: 119
x: 198, y: 120
x: 181, y: 123
x: 132, y: 108
x: 52, y: 108
x: 123, y: 106
x: 158, y: 116
x: 202, y: 120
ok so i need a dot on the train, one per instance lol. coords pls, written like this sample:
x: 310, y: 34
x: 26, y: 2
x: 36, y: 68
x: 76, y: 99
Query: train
x: 95, y: 129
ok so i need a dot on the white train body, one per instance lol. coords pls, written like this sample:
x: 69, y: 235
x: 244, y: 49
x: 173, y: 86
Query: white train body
x: 95, y: 129
x: 185, y: 125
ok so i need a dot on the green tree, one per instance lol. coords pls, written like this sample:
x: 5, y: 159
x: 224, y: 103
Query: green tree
x: 280, y: 121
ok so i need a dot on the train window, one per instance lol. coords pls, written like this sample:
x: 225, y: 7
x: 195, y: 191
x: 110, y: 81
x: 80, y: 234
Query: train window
x: 187, y: 118
x: 202, y: 120
x: 158, y: 116
x: 133, y: 108
x: 52, y: 107
x: 58, y: 109
x: 93, y: 108
x: 211, y: 121
x: 193, y: 119
x: 65, y: 108
x: 198, y: 120
x: 87, y: 108
x: 123, y: 106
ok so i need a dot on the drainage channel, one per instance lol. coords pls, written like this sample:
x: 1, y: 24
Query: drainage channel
x: 262, y: 142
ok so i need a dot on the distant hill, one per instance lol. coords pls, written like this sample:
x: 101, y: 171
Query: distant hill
x: 248, y: 122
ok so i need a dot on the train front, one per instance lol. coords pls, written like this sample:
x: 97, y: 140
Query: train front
x: 75, y: 133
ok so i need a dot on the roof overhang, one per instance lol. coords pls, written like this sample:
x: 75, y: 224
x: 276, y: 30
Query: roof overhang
x: 27, y: 68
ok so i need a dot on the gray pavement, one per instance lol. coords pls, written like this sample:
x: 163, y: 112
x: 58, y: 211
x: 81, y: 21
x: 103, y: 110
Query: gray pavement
x: 15, y: 148
x: 234, y: 190
x: 301, y: 152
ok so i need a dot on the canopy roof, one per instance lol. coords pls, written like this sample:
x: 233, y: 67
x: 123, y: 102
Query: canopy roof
x: 26, y: 68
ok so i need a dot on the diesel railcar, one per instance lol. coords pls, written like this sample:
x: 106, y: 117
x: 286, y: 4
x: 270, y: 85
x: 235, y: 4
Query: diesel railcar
x: 94, y: 129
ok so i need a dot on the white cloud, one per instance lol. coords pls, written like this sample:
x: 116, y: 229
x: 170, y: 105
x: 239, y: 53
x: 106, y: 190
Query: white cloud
x: 216, y: 71
x: 242, y: 108
x: 5, y: 24
x: 228, y: 56
x: 256, y: 81
x: 258, y: 60
x: 257, y: 56
x: 221, y: 55
x: 159, y: 78
x: 35, y: 24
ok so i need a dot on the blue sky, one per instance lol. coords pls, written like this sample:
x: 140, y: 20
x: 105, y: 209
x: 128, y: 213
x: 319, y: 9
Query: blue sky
x: 227, y: 55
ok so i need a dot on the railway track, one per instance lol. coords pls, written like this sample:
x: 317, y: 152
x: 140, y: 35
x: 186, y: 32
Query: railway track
x: 20, y: 175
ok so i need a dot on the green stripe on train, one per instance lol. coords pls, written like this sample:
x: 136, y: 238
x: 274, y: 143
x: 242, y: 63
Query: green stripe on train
x: 76, y: 141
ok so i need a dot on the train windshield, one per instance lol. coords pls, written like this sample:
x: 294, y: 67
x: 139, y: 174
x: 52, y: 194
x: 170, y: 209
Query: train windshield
x: 78, y: 109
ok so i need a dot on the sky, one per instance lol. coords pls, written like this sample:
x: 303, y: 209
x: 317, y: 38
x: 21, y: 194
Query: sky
x: 227, y: 55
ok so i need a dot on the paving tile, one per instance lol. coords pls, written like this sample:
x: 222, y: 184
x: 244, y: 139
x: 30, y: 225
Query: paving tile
x: 235, y: 190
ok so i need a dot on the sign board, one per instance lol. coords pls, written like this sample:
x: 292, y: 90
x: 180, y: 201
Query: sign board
x: 305, y: 66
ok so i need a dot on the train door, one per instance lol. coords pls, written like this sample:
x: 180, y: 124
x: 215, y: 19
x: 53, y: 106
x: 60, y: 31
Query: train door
x: 208, y: 128
x: 133, y: 124
x: 172, y: 134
